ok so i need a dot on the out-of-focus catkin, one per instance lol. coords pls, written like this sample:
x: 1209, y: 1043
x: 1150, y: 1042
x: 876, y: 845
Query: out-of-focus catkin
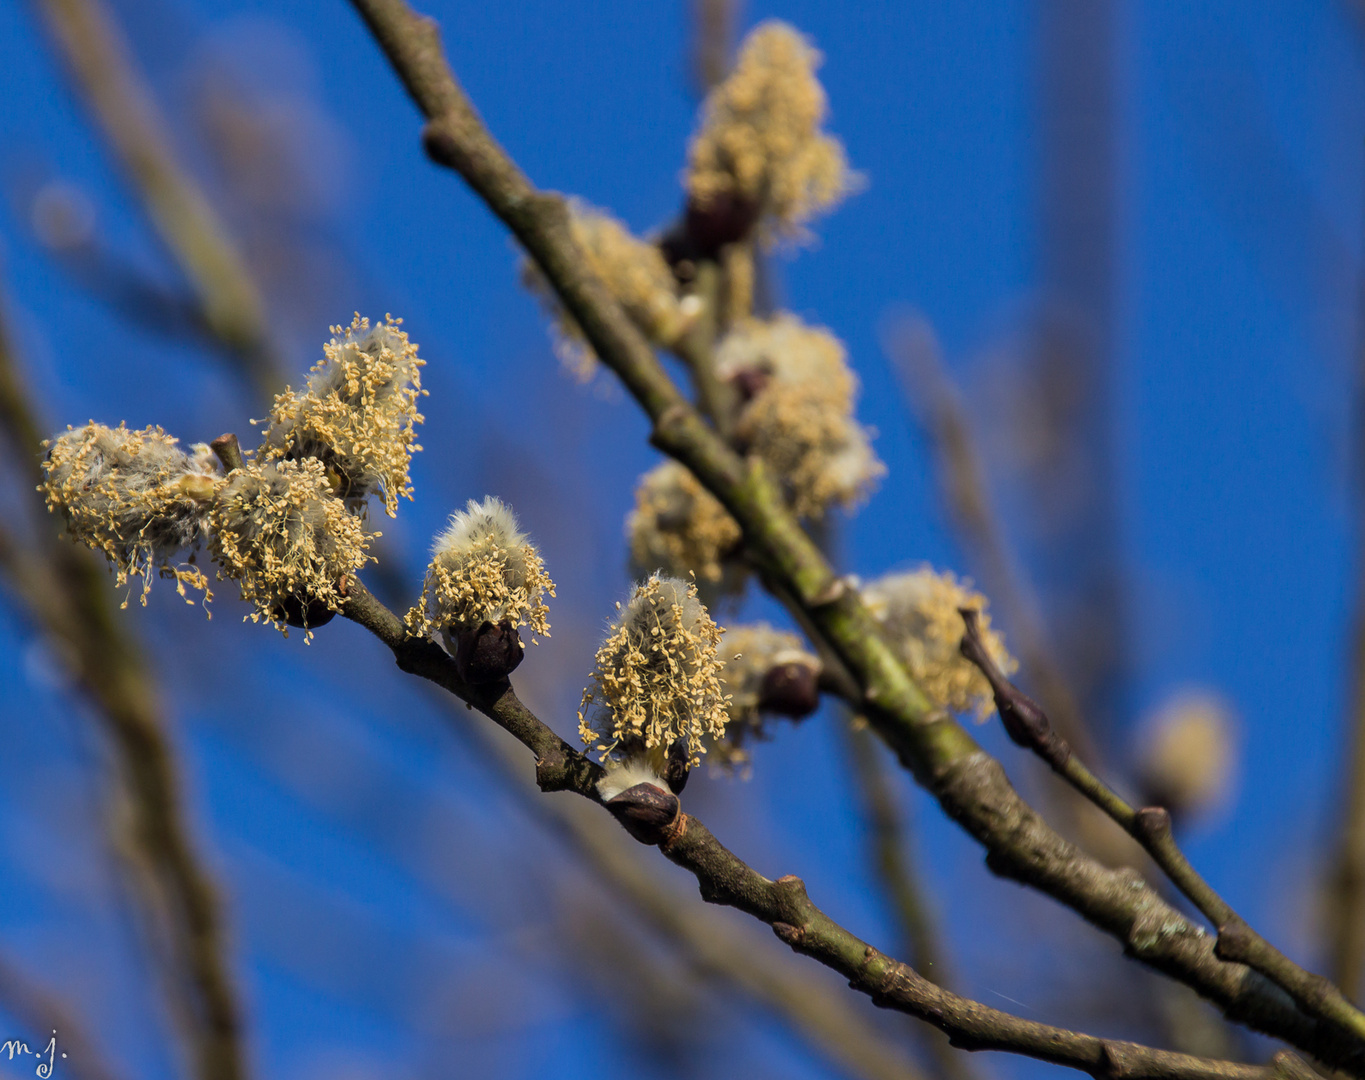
x: 678, y: 526
x: 280, y: 532
x: 799, y: 416
x: 358, y: 415
x: 656, y: 678
x: 483, y: 569
x: 633, y: 271
x: 764, y: 672
x: 760, y: 143
x: 918, y: 610
x: 1187, y: 753
x: 133, y: 495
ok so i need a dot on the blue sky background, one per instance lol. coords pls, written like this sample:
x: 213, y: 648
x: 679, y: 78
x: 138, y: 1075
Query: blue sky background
x: 394, y: 911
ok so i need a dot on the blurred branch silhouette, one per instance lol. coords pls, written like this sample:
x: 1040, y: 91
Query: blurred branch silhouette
x: 67, y: 595
x: 892, y: 860
x: 125, y: 112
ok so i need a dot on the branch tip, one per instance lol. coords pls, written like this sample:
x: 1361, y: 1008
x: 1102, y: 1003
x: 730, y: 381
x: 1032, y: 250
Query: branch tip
x: 229, y: 451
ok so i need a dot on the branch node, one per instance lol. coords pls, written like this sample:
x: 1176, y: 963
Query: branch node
x: 670, y: 424
x: 832, y: 593
x: 1025, y: 722
x: 674, y: 832
x: 1115, y: 1060
x: 1152, y: 823
x: 1235, y: 941
x: 442, y: 147
x: 1287, y: 1066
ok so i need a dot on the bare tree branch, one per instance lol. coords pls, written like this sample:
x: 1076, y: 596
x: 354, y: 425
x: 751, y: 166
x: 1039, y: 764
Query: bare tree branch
x: 889, y: 855
x: 713, y: 36
x: 784, y: 905
x: 811, y: 1010
x: 1028, y: 726
x: 969, y: 784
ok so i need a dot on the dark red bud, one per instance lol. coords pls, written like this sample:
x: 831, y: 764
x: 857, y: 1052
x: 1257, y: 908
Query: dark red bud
x: 1025, y: 722
x: 705, y: 229
x: 305, y: 616
x: 676, y: 767
x: 750, y: 383
x: 646, y: 812
x: 790, y: 690
x: 487, y: 653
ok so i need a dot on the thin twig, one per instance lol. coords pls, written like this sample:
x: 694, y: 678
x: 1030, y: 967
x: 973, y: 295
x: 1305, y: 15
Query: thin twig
x: 1346, y: 880
x: 969, y: 784
x: 67, y: 594
x: 713, y: 35
x: 1028, y: 726
x: 784, y: 905
x: 930, y: 392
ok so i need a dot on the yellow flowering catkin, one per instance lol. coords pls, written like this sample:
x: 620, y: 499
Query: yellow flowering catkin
x: 678, y: 526
x: 799, y: 418
x: 358, y: 413
x: 278, y: 530
x: 919, y: 611
x: 483, y: 569
x: 760, y: 141
x: 657, y: 674
x: 133, y: 495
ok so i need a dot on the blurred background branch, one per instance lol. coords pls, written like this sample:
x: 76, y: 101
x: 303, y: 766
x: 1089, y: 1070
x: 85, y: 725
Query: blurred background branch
x: 68, y: 596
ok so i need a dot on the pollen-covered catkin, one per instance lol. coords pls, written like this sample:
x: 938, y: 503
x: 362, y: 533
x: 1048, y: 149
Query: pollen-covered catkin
x: 656, y: 678
x: 799, y: 416
x: 918, y: 609
x: 134, y: 495
x: 749, y: 657
x: 760, y: 142
x: 280, y: 532
x: 483, y: 569
x: 358, y: 413
x: 633, y: 271
x: 678, y: 526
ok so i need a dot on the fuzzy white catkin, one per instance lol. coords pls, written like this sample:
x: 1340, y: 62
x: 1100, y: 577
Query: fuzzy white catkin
x: 800, y: 418
x: 278, y: 530
x: 483, y: 569
x: 133, y: 495
x: 358, y: 413
x: 656, y: 674
x: 624, y: 775
x: 918, y: 609
x: 761, y: 140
